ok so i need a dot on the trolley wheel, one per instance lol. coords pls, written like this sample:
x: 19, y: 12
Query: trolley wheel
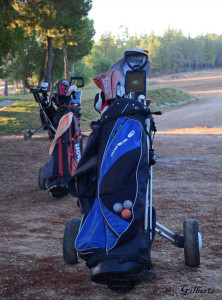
x: 51, y: 135
x: 41, y: 179
x: 192, y: 242
x: 27, y: 134
x: 70, y: 254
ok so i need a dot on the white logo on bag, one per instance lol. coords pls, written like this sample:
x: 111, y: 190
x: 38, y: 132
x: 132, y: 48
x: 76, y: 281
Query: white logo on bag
x: 78, y: 152
x: 131, y: 133
x: 106, y: 84
x: 123, y: 142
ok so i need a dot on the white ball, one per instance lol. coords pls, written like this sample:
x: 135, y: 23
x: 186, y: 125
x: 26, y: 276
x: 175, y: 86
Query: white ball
x: 117, y: 207
x: 127, y: 204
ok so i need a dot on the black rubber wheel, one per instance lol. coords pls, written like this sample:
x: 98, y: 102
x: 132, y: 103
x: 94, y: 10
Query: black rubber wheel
x: 191, y: 243
x: 27, y: 134
x: 41, y: 179
x: 51, y: 134
x: 69, y: 251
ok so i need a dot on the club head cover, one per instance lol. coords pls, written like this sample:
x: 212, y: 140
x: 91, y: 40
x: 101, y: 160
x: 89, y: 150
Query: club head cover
x: 99, y: 101
x: 108, y: 82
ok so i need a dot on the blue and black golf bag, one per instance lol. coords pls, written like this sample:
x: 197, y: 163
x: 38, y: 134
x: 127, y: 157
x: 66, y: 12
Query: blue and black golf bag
x: 112, y: 183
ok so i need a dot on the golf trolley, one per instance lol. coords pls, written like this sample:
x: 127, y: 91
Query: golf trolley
x: 48, y: 112
x: 123, y: 273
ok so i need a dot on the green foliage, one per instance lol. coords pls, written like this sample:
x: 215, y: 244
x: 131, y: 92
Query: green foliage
x: 98, y: 62
x: 82, y: 70
x: 84, y: 44
x: 10, y: 34
x: 57, y: 66
x: 218, y: 44
x: 60, y: 23
x: 170, y: 53
x: 107, y: 46
x: 102, y: 65
x: 28, y: 62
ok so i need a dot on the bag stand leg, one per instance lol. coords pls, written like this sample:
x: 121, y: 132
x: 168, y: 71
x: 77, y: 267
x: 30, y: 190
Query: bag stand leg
x: 148, y: 205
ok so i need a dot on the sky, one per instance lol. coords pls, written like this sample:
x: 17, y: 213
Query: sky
x: 193, y: 17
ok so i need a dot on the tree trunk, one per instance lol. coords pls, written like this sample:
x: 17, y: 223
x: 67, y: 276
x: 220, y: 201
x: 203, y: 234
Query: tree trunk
x: 72, y: 69
x: 41, y: 74
x: 23, y: 82
x: 5, y: 60
x: 6, y: 87
x: 66, y: 66
x: 53, y: 78
x: 48, y: 63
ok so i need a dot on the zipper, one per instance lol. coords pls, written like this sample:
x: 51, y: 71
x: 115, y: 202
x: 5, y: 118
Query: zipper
x: 71, y: 162
x: 121, y: 125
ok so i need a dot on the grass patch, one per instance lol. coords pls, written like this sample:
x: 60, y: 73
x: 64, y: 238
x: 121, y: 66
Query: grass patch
x: 18, y: 117
x: 164, y: 97
x: 24, y: 114
x: 17, y: 97
x: 88, y: 113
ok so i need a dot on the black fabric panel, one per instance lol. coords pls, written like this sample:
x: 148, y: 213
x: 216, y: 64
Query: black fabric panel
x: 105, y: 132
x: 119, y: 183
x: 135, y: 249
x: 124, y: 107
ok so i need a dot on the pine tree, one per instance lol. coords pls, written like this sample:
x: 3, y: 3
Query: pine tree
x: 50, y: 19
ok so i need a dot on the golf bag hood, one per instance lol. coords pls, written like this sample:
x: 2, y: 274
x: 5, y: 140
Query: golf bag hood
x: 64, y: 92
x: 108, y: 83
x: 131, y: 59
x: 61, y: 87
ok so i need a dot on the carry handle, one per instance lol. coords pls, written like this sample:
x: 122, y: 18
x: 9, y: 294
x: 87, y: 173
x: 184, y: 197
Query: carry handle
x: 78, y: 79
x: 136, y: 67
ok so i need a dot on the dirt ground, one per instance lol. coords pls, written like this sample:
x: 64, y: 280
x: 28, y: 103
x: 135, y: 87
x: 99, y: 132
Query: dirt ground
x: 186, y: 184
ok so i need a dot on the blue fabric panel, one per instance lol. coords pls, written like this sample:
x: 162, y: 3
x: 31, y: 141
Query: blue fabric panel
x: 111, y: 238
x: 117, y: 224
x: 48, y: 168
x: 127, y: 138
x: 92, y: 233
